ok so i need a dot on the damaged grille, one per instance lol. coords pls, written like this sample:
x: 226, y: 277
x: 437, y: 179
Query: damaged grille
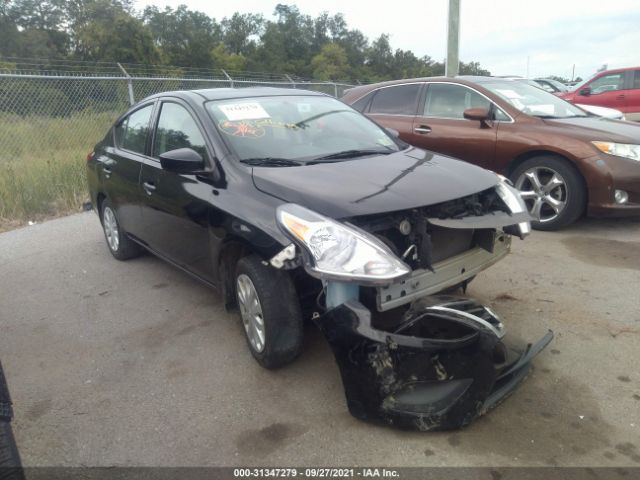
x: 477, y: 205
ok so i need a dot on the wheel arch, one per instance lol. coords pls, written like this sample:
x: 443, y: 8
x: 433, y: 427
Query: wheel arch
x: 100, y: 198
x: 231, y: 251
x: 523, y: 157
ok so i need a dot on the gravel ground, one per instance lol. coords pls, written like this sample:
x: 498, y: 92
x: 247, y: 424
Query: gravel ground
x: 135, y: 363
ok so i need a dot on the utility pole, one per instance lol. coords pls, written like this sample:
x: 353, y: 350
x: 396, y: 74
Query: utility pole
x: 527, y: 66
x: 573, y: 72
x: 453, y: 39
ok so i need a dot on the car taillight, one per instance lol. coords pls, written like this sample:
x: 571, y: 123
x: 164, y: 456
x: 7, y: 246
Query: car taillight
x: 91, y: 155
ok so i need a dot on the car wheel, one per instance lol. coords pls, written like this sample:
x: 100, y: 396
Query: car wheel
x: 120, y: 245
x: 553, y: 190
x: 270, y: 312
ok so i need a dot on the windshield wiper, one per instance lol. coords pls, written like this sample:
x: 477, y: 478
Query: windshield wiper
x: 351, y: 154
x: 271, y: 162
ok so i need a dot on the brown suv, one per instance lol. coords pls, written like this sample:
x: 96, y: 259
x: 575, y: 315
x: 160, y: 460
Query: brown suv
x: 564, y: 160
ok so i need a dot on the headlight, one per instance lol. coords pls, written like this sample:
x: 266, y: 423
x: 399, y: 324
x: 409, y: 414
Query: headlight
x: 625, y: 150
x: 336, y: 251
x: 513, y: 200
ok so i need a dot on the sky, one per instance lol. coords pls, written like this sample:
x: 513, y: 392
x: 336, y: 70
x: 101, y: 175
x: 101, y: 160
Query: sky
x: 507, y: 37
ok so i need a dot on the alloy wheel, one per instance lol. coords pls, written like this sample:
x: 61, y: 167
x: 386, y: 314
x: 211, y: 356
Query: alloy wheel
x: 110, y: 225
x: 544, y: 191
x: 251, y: 311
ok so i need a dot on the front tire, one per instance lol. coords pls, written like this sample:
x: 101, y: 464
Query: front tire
x: 119, y: 244
x: 553, y: 190
x: 270, y: 312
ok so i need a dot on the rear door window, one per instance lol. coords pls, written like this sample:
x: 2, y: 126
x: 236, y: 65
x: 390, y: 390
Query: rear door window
x: 396, y: 100
x: 177, y: 129
x: 131, y: 133
x: 636, y: 79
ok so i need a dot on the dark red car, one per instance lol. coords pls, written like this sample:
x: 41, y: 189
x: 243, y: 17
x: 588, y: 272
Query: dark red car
x: 565, y: 161
x: 619, y: 89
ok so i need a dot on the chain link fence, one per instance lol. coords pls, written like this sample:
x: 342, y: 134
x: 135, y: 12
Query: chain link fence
x: 50, y: 119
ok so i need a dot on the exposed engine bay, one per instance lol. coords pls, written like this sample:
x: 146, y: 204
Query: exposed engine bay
x: 412, y: 237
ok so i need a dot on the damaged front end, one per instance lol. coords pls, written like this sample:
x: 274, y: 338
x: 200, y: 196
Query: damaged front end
x: 407, y: 358
x: 444, y: 363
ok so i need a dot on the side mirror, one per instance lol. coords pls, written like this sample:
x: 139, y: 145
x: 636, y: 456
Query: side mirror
x: 480, y: 114
x: 586, y: 91
x: 394, y: 133
x: 182, y: 160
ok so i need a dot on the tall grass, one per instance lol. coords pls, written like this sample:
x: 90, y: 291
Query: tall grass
x: 42, y: 163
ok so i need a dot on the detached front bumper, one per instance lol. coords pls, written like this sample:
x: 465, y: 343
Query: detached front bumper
x: 442, y: 365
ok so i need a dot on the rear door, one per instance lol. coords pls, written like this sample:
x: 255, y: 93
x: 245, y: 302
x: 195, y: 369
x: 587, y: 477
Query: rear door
x: 395, y: 107
x: 441, y: 127
x: 176, y: 207
x: 122, y: 164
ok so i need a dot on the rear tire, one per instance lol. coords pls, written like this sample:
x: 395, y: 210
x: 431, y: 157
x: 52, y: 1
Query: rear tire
x: 119, y: 244
x: 553, y: 189
x: 270, y: 312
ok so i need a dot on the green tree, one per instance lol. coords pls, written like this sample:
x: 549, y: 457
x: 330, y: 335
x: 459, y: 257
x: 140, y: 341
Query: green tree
x: 41, y: 15
x: 185, y: 37
x: 290, y: 42
x: 34, y: 29
x: 330, y: 63
x: 473, y: 68
x: 8, y: 30
x: 108, y: 32
x: 240, y: 32
x: 380, y: 57
x: 222, y: 58
x: 286, y: 44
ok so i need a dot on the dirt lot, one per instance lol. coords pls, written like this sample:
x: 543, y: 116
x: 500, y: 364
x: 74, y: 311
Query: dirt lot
x: 135, y: 363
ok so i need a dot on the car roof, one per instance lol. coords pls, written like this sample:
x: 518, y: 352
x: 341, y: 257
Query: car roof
x: 229, y: 93
x: 617, y: 70
x: 468, y: 80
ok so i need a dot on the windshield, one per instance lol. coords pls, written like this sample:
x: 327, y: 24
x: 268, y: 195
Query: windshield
x: 533, y: 100
x: 290, y: 130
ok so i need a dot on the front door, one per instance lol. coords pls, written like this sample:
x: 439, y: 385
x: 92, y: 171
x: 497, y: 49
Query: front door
x: 440, y: 125
x: 176, y: 209
x: 605, y: 91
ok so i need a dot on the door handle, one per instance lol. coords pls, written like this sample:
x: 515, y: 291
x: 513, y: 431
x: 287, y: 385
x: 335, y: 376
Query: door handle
x: 149, y: 187
x: 422, y: 129
x: 620, y: 97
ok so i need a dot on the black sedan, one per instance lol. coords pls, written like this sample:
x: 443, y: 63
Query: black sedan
x: 297, y: 206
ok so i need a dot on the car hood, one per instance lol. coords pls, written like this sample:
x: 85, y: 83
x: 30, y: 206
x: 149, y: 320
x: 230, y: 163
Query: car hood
x: 599, y: 128
x: 385, y: 183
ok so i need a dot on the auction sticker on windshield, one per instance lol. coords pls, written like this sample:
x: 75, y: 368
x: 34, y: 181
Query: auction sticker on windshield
x: 243, y: 111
